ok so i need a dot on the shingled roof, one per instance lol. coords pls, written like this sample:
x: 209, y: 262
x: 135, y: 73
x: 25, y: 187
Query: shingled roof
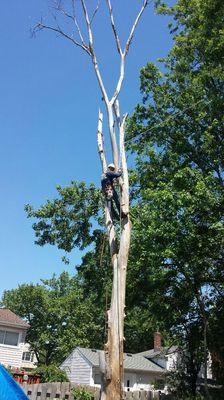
x: 131, y: 361
x: 9, y: 318
x: 162, y: 352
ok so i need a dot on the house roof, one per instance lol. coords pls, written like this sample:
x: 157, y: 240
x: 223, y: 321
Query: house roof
x: 9, y: 318
x: 164, y: 351
x: 131, y: 361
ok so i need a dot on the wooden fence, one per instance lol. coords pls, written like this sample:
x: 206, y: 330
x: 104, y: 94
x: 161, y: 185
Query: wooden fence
x: 62, y: 391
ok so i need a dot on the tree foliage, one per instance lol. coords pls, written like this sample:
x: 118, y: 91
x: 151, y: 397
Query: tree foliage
x: 176, y: 134
x: 51, y: 373
x: 67, y: 221
x: 60, y: 317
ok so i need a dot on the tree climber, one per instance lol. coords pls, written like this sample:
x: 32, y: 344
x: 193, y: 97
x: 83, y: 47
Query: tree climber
x: 109, y: 191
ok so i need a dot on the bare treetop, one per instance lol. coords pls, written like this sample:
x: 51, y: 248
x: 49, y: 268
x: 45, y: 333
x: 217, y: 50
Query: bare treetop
x: 82, y: 36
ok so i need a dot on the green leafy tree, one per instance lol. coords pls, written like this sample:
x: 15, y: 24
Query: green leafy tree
x: 94, y: 272
x: 66, y: 222
x: 59, y: 315
x: 176, y: 134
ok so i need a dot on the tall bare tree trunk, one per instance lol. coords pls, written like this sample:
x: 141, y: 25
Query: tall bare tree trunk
x: 111, y: 360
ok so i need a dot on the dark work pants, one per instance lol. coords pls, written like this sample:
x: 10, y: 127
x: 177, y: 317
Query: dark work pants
x: 115, y: 202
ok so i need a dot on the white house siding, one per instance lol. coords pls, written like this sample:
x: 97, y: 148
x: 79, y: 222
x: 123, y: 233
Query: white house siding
x: 172, y: 360
x: 67, y: 366
x: 25, y: 363
x: 209, y: 369
x: 129, y: 380
x: 12, y: 355
x: 78, y: 369
x: 139, y: 380
x: 168, y: 361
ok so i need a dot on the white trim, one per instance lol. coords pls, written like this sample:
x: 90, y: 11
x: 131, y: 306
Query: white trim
x: 9, y: 346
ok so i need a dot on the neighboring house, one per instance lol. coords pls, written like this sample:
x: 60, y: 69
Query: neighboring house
x: 82, y: 367
x: 169, y: 358
x: 145, y: 370
x: 14, y: 352
x: 165, y: 357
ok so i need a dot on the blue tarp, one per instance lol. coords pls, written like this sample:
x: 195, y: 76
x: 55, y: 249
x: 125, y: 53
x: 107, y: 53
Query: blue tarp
x: 9, y: 388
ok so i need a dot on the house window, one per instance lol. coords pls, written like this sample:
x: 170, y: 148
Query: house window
x: 9, y: 338
x: 28, y: 356
x: 97, y: 379
x: 2, y: 333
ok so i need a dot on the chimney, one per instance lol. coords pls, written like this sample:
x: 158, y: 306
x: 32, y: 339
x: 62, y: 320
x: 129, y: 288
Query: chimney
x: 157, y: 341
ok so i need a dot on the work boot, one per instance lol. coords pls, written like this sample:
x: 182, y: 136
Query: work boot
x: 124, y: 214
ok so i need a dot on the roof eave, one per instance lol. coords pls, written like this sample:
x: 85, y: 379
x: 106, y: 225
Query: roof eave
x: 14, y: 325
x: 163, y: 371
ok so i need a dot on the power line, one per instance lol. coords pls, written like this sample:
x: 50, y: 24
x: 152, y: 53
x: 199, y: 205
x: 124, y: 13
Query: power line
x: 170, y: 117
x: 163, y: 123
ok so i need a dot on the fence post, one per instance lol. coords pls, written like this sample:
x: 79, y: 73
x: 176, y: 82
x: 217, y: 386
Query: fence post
x: 48, y: 391
x: 128, y: 395
x: 137, y: 395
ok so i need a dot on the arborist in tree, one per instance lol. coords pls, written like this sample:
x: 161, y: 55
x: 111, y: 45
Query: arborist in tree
x: 109, y: 191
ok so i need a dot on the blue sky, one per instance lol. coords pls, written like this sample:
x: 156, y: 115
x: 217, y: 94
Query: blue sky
x: 49, y: 101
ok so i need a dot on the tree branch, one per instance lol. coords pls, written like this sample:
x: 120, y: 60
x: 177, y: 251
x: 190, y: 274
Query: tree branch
x: 134, y: 27
x: 88, y: 24
x: 101, y: 85
x: 114, y: 28
x: 94, y: 12
x: 124, y: 53
x: 120, y: 81
x: 73, y: 17
x: 93, y: 54
x: 58, y: 30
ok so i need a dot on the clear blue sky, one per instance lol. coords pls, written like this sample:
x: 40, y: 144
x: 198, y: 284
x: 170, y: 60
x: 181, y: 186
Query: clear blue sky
x: 49, y: 101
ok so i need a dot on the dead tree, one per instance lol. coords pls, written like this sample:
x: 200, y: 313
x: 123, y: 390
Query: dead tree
x: 111, y: 359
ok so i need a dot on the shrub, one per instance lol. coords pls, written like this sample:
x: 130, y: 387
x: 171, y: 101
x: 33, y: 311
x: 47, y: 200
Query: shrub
x: 51, y: 373
x: 81, y: 393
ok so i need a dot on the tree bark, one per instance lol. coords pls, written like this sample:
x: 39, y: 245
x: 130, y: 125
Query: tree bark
x: 112, y: 364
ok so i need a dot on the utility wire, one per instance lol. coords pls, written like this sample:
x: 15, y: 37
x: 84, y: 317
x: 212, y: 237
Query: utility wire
x: 163, y: 123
